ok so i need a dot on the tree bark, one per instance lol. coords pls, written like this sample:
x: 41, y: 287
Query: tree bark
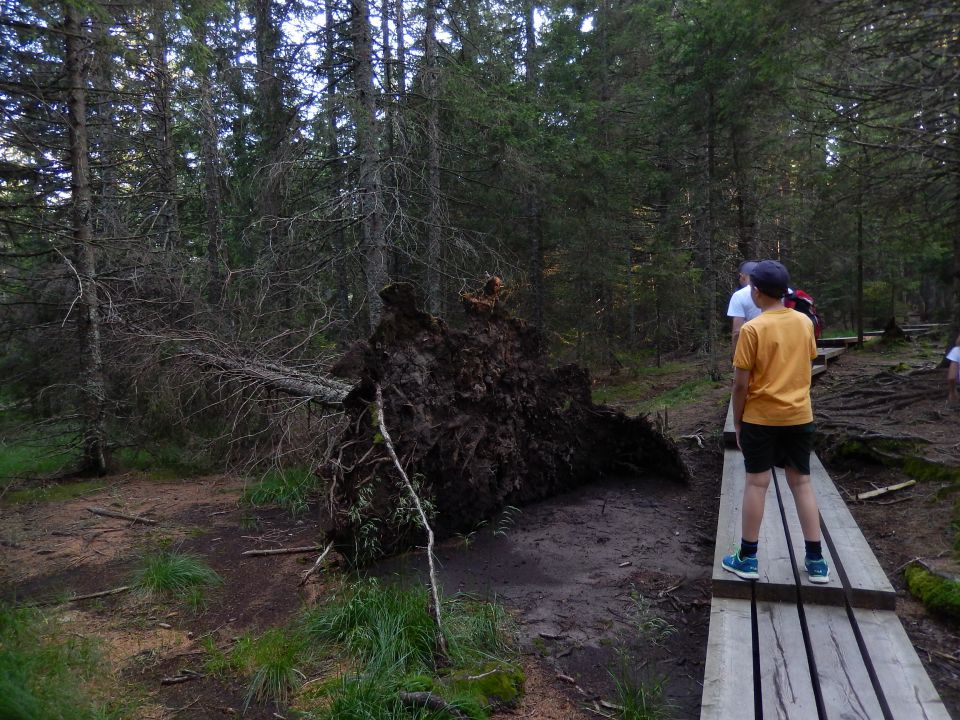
x: 371, y: 219
x: 92, y: 384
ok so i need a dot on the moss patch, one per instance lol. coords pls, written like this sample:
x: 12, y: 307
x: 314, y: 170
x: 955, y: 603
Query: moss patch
x: 939, y: 595
x: 494, y: 684
x: 926, y: 471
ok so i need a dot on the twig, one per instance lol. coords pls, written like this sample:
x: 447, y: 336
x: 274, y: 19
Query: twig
x: 121, y: 516
x: 316, y: 566
x: 89, y: 596
x: 102, y: 593
x: 282, y: 551
x: 423, y: 518
x: 178, y: 679
x: 885, y: 490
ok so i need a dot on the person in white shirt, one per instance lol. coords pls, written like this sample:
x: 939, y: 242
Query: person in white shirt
x: 741, y: 307
x: 953, y: 372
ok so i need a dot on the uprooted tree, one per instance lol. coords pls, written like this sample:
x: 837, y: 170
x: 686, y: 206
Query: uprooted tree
x: 479, y: 422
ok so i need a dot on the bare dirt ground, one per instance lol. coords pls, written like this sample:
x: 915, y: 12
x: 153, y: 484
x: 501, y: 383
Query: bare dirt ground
x: 615, y: 572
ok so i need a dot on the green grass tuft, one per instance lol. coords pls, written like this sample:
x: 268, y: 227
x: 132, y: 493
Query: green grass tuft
x: 640, y: 699
x: 386, y: 628
x: 170, y: 574
x: 290, y: 489
x: 389, y: 632
x: 271, y: 663
x: 48, y: 673
x: 939, y: 595
x: 274, y: 658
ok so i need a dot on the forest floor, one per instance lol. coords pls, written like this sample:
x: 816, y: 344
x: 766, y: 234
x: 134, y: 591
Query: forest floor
x: 608, y: 584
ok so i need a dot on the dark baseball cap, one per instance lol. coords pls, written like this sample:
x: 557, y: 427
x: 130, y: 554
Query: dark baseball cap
x: 771, y: 278
x: 747, y: 266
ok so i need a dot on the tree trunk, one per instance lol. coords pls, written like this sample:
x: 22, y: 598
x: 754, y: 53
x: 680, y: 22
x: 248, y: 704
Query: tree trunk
x: 101, y: 123
x: 711, y: 270
x: 433, y: 158
x: 531, y: 200
x: 746, y: 244
x: 210, y: 159
x: 169, y: 216
x: 84, y: 257
x: 333, y: 148
x: 273, y: 127
x: 373, y: 239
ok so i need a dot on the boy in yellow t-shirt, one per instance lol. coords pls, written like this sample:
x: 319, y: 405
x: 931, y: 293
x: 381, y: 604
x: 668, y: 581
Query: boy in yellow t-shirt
x: 773, y: 417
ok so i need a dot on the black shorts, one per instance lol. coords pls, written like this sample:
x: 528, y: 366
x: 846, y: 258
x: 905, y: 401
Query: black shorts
x: 766, y: 446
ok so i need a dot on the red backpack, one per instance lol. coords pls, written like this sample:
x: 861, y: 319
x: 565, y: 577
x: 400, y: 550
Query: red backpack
x: 803, y: 303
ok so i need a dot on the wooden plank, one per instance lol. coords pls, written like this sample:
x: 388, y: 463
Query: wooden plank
x: 729, y: 657
x: 831, y: 593
x: 867, y: 583
x: 824, y: 354
x: 906, y: 686
x: 849, y: 340
x: 729, y: 432
x: 727, y: 584
x: 816, y: 370
x: 777, y: 580
x: 785, y: 678
x: 848, y: 693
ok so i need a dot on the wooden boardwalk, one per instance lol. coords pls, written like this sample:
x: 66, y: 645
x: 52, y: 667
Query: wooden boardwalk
x: 785, y: 648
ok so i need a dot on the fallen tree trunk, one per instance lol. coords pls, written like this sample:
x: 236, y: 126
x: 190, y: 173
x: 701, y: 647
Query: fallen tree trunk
x: 480, y: 422
x: 293, y: 382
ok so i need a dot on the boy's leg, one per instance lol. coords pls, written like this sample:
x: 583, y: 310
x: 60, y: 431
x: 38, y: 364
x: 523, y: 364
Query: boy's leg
x: 754, y: 499
x: 806, y: 502
x: 803, y: 497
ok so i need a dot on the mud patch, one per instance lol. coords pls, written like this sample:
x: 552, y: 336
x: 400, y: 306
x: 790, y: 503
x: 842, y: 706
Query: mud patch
x: 618, y: 567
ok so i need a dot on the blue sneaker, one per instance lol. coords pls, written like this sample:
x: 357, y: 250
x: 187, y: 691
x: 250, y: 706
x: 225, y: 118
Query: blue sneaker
x: 817, y: 570
x: 741, y: 567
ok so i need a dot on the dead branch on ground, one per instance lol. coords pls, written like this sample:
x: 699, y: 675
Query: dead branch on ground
x: 441, y: 640
x: 121, y: 516
x: 282, y: 551
x: 316, y: 565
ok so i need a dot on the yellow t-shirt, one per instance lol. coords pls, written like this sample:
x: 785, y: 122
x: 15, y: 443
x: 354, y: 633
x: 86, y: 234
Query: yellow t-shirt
x: 777, y: 347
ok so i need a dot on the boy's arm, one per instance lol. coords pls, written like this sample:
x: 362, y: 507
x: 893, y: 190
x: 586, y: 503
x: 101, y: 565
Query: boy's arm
x: 741, y: 381
x: 735, y: 334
